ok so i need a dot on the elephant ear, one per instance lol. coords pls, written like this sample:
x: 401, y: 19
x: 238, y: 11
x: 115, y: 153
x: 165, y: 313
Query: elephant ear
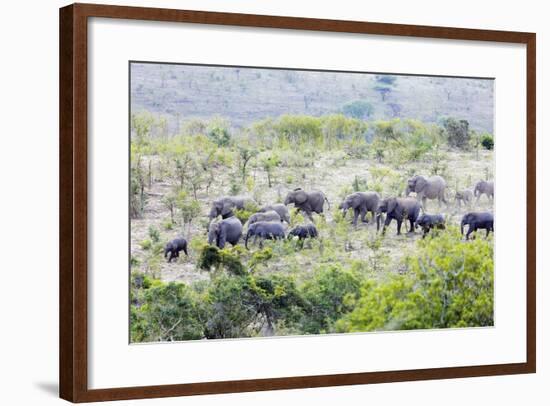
x: 226, y: 208
x: 300, y: 197
x: 392, y: 203
x: 421, y: 183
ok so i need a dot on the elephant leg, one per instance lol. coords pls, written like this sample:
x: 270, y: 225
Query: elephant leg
x: 309, y: 215
x: 487, y: 232
x: 412, y: 226
x: 399, y: 222
x: 386, y: 224
x: 363, y: 215
x: 471, y: 229
x: 355, y: 216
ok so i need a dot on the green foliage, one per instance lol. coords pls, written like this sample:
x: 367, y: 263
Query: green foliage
x: 360, y: 109
x: 299, y: 129
x: 212, y: 257
x: 329, y: 294
x: 164, y: 312
x: 487, y: 142
x: 449, y: 283
x: 457, y: 132
x: 218, y: 132
x: 146, y: 244
x: 154, y: 234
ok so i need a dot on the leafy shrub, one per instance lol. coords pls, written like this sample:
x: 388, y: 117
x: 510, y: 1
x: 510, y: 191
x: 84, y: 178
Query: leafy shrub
x: 146, y: 244
x: 154, y: 234
x: 329, y: 295
x: 449, y: 283
x: 218, y: 132
x: 168, y: 312
x: 168, y: 225
x: 360, y: 109
x: 212, y: 257
x: 457, y: 132
x: 488, y: 142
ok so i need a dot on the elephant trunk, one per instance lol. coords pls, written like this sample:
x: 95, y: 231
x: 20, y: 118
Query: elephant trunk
x: 378, y: 218
x: 408, y: 191
x: 166, y: 251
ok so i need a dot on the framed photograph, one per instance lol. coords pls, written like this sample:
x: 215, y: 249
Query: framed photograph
x: 255, y: 202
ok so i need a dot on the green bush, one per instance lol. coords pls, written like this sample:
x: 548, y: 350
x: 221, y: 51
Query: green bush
x: 167, y: 312
x: 457, y: 132
x: 329, y: 294
x: 358, y: 109
x: 488, y: 142
x: 212, y: 257
x: 146, y: 244
x: 449, y: 283
x: 154, y: 234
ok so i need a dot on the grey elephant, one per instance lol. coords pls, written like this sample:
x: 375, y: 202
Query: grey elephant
x: 427, y: 188
x: 304, y: 231
x: 281, y: 210
x: 400, y: 209
x: 226, y: 205
x: 430, y: 221
x: 486, y: 188
x: 477, y: 220
x: 307, y: 202
x: 361, y: 203
x: 172, y: 248
x: 270, y: 215
x: 225, y: 231
x: 464, y: 196
x: 265, y: 230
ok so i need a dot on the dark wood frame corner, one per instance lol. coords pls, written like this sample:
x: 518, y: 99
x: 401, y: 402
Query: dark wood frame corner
x: 73, y: 201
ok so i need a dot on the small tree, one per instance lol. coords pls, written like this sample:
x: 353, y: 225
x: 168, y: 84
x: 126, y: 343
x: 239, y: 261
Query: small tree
x: 169, y: 200
x: 189, y: 209
x: 245, y: 155
x: 457, y: 132
x: 269, y: 163
x: 360, y: 109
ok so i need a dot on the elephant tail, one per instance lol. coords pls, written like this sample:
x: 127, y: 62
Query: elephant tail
x: 328, y: 203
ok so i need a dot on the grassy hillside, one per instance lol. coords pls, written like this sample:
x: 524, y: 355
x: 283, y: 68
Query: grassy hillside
x: 182, y: 92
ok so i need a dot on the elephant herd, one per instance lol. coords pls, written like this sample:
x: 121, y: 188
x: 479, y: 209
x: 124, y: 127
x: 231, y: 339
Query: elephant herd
x: 269, y: 221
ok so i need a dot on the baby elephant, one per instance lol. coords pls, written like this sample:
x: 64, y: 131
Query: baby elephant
x: 173, y: 248
x: 270, y: 215
x: 304, y: 231
x: 464, y: 196
x: 429, y: 221
x: 265, y: 230
x: 477, y: 220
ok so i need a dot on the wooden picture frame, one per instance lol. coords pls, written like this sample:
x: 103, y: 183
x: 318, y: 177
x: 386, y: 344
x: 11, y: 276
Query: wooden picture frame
x: 73, y: 200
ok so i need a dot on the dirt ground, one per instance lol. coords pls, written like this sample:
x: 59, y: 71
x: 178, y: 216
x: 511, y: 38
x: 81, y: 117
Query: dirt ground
x: 333, y: 175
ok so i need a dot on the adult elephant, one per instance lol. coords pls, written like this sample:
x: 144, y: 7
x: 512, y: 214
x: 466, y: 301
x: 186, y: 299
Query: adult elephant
x: 226, y: 205
x: 225, y: 231
x: 270, y: 215
x: 307, y: 202
x: 427, y: 188
x: 265, y: 230
x: 399, y: 209
x: 486, y: 188
x: 361, y: 203
x: 477, y: 220
x: 281, y: 210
